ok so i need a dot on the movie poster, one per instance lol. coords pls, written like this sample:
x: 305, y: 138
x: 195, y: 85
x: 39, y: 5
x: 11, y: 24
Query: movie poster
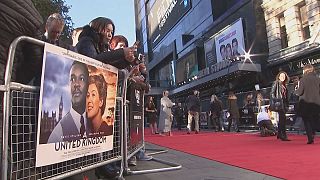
x: 230, y: 42
x: 76, y: 107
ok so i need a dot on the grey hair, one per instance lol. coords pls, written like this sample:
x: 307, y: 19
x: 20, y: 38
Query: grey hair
x: 55, y: 17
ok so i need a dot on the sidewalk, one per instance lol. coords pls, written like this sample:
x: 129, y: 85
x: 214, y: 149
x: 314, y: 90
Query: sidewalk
x: 193, y: 168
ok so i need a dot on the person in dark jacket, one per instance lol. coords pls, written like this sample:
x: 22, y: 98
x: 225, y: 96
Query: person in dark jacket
x: 233, y: 109
x: 193, y: 106
x: 151, y: 112
x: 94, y: 42
x: 215, y: 113
x: 178, y: 115
x: 279, y: 90
x: 309, y: 101
x: 54, y: 27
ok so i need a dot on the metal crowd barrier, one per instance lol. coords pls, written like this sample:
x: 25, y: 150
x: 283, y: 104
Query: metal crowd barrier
x: 20, y: 111
x: 130, y: 149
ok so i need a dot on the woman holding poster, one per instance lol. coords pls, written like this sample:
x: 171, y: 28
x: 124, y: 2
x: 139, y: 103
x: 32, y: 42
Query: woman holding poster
x: 96, y: 104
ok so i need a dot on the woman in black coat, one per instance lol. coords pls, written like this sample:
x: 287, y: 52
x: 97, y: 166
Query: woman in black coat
x: 309, y: 101
x: 94, y: 42
x: 279, y: 90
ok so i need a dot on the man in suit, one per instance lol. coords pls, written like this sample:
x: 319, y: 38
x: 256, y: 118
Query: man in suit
x: 74, y: 124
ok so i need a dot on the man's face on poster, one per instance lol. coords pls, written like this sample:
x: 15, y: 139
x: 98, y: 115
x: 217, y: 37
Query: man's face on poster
x: 78, y: 84
x: 223, y: 52
x: 235, y: 46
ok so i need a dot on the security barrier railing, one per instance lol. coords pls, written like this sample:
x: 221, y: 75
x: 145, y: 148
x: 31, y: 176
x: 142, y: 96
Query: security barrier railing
x: 20, y: 122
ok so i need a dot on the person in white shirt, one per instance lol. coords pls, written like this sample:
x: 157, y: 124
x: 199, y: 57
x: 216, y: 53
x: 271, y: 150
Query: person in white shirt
x: 265, y: 123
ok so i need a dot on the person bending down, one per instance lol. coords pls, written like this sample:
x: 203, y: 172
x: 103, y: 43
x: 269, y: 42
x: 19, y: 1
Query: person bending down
x: 265, y: 124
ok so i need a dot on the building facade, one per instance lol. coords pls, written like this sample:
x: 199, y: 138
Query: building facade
x: 191, y: 44
x: 293, y: 35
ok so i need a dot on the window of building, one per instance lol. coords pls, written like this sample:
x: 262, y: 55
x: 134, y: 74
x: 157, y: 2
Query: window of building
x: 283, y: 32
x: 220, y: 7
x: 304, y: 22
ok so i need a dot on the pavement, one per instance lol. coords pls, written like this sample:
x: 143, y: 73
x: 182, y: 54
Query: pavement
x: 192, y: 168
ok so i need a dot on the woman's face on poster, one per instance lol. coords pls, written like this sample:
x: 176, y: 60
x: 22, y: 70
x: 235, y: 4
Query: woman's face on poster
x: 228, y: 52
x: 93, y: 102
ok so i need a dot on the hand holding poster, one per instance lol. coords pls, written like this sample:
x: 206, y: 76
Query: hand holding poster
x: 76, y: 108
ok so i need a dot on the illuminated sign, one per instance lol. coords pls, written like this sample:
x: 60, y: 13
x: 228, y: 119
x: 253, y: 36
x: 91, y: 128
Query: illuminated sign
x: 163, y: 16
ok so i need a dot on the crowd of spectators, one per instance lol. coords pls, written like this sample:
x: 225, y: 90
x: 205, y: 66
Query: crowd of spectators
x: 99, y: 40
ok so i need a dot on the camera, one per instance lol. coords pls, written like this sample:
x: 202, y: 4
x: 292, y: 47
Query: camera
x: 139, y: 58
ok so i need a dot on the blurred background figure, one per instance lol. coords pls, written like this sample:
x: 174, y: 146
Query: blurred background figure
x: 178, y: 115
x: 233, y: 109
x: 265, y: 123
x: 309, y: 102
x: 152, y: 115
x: 193, y: 106
x: 75, y: 36
x: 54, y: 27
x: 165, y: 119
x: 215, y: 113
x: 260, y: 101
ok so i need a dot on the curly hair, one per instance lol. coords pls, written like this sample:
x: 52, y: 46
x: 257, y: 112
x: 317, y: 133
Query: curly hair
x: 101, y: 85
x: 287, y: 77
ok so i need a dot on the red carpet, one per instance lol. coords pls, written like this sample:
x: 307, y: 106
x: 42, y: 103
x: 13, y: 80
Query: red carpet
x: 288, y: 160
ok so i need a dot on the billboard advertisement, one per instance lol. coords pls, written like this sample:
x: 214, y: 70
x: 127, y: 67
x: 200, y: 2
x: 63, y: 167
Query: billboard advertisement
x: 166, y: 75
x: 187, y: 67
x: 230, y: 42
x: 163, y: 15
x: 76, y: 107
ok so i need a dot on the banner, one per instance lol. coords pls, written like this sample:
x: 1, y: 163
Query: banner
x: 209, y: 50
x: 163, y: 15
x: 136, y: 116
x: 76, y: 107
x: 230, y: 42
